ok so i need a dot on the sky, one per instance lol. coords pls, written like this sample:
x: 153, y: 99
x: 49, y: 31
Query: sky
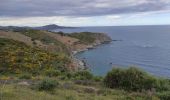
x: 84, y: 12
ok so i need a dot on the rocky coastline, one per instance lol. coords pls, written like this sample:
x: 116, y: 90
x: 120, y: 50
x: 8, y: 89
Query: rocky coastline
x: 81, y: 63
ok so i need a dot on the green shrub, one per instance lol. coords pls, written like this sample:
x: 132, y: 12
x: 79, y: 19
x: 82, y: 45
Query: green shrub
x: 83, y: 75
x: 164, y: 95
x: 25, y: 76
x: 84, y: 37
x: 63, y: 77
x: 70, y: 98
x: 52, y: 73
x: 129, y: 79
x: 104, y: 92
x: 69, y: 75
x: 84, y: 82
x: 47, y: 85
x: 97, y: 78
x: 66, y: 76
x: 163, y: 85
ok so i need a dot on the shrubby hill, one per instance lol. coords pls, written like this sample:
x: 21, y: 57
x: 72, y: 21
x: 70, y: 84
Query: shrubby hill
x: 91, y: 38
x: 44, y: 40
x: 35, y: 42
x: 16, y: 57
x: 39, y: 65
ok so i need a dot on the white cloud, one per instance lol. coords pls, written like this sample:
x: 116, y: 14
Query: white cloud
x: 31, y: 21
x: 113, y: 16
x: 38, y: 21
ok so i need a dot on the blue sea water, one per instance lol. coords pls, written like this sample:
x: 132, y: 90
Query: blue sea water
x: 146, y: 47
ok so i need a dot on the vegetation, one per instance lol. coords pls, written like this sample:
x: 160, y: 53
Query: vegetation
x: 121, y: 84
x: 61, y: 33
x: 25, y: 76
x: 129, y: 79
x: 84, y: 37
x: 164, y: 95
x: 45, y: 38
x: 47, y: 85
x: 52, y: 73
x: 133, y: 79
x: 89, y: 38
x: 83, y: 75
x: 38, y: 35
x: 69, y: 91
x: 16, y: 57
x: 31, y: 73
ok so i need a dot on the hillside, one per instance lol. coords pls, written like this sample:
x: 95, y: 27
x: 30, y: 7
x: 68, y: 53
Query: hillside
x: 17, y: 58
x: 45, y: 41
x: 91, y: 38
x: 16, y: 36
x: 88, y: 40
x: 56, y: 42
x: 35, y: 38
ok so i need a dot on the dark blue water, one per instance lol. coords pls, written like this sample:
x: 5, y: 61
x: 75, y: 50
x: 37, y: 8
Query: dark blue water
x: 146, y: 47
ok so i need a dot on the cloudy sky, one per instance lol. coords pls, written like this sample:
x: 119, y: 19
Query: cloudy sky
x: 84, y: 12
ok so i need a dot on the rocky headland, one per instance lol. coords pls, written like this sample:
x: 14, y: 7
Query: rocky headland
x: 58, y: 42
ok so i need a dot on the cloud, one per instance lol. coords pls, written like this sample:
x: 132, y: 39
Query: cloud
x: 82, y: 12
x: 38, y: 21
x: 78, y: 8
x: 113, y: 17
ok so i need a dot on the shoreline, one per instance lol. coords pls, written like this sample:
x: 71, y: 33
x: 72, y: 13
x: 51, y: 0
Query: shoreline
x: 81, y: 64
x: 93, y: 46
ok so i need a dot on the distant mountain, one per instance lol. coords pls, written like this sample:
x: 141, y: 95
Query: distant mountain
x: 51, y: 27
x: 12, y: 28
x: 46, y: 27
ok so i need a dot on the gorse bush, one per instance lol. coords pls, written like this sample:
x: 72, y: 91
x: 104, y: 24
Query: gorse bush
x: 163, y: 85
x: 84, y: 82
x: 130, y: 79
x: 25, y: 76
x: 18, y: 58
x: 98, y: 78
x: 164, y: 95
x: 47, y: 85
x: 83, y: 75
x: 52, y: 73
x: 70, y: 98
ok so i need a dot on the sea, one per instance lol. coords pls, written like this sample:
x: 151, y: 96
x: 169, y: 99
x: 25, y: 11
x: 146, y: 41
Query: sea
x: 145, y: 47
